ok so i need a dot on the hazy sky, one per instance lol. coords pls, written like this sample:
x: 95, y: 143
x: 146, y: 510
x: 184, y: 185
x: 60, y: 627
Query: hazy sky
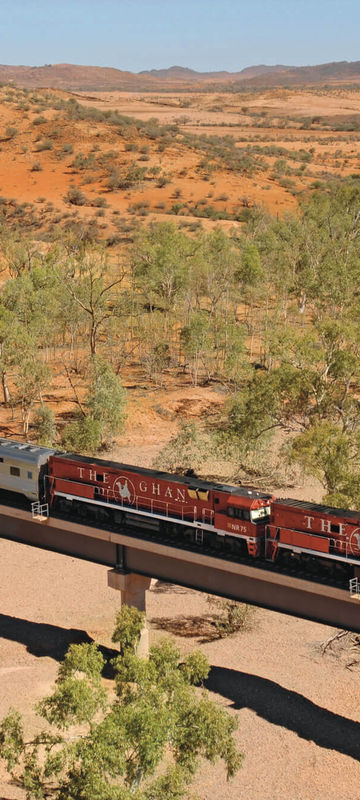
x: 202, y: 34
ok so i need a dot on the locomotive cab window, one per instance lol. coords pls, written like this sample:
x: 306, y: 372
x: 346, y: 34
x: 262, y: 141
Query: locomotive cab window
x: 238, y: 513
x: 259, y: 513
x: 29, y: 476
x: 15, y: 471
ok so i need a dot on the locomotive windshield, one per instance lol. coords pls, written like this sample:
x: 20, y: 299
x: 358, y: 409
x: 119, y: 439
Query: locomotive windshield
x: 259, y: 513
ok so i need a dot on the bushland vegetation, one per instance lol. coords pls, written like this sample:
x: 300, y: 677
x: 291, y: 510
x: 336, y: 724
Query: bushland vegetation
x: 269, y: 311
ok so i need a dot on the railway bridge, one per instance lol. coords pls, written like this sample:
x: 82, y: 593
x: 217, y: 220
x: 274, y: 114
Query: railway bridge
x: 134, y: 559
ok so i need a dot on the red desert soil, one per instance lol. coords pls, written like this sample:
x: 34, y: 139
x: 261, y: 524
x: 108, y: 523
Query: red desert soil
x: 40, y: 145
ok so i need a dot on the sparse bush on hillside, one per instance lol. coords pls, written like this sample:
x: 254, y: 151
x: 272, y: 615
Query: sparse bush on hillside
x: 46, y: 144
x: 132, y: 177
x: 163, y: 180
x: 11, y: 132
x: 131, y: 147
x: 75, y: 196
x: 82, y: 161
x: 36, y: 167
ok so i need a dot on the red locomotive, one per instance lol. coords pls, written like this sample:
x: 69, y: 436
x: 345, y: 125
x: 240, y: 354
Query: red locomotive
x: 239, y: 520
x: 139, y: 497
x: 313, y: 531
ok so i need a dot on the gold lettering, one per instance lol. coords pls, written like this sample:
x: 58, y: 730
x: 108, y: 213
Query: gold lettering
x: 81, y: 471
x: 168, y: 492
x: 156, y: 488
x: 180, y: 496
x: 309, y: 521
x: 92, y: 475
x: 143, y: 486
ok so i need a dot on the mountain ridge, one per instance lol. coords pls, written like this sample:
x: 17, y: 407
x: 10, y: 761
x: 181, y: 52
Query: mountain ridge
x: 73, y: 77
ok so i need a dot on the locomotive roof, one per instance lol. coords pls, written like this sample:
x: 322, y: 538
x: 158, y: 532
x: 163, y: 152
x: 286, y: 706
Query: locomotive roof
x: 316, y: 507
x: 189, y: 480
x: 24, y: 452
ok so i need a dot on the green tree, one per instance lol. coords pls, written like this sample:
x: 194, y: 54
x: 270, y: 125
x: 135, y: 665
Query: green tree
x: 82, y: 435
x: 333, y: 457
x: 128, y: 626
x: 187, y: 449
x: 160, y: 264
x: 44, y: 425
x: 101, y: 415
x: 146, y: 743
x: 31, y: 378
x: 85, y: 277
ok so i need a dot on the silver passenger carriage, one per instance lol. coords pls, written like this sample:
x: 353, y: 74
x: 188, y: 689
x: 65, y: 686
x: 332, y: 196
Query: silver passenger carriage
x: 23, y: 468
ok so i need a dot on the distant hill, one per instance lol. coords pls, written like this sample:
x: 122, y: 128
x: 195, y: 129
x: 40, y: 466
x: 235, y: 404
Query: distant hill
x: 72, y: 77
x: 183, y: 73
x: 334, y: 72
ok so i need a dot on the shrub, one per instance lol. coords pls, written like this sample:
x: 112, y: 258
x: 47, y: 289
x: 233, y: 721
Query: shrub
x: 132, y: 177
x: 36, y: 167
x: 83, y: 435
x: 11, y: 132
x: 44, y: 426
x: 46, y: 144
x: 234, y: 616
x: 162, y: 181
x: 75, y: 196
x: 100, y: 202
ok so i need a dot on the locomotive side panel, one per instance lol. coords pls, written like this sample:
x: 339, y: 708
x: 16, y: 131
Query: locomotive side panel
x: 130, y: 488
x: 236, y: 513
x: 314, y: 528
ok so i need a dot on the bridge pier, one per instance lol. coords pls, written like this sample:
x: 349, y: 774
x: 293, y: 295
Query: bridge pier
x: 132, y: 588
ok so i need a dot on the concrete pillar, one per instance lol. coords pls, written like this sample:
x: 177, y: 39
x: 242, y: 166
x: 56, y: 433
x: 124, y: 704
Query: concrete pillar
x: 132, y: 588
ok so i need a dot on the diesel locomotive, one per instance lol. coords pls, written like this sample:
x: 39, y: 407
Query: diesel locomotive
x: 236, y: 519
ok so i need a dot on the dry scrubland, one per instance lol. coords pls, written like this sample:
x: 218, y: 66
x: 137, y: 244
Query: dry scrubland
x: 64, y: 168
x: 280, y: 144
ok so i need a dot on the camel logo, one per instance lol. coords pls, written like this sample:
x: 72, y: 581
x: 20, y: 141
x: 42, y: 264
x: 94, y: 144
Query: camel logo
x: 124, y: 490
x: 354, y: 542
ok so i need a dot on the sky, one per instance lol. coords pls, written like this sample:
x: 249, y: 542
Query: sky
x: 206, y: 35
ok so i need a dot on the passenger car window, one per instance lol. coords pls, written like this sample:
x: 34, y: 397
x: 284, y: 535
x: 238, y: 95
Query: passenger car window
x: 15, y: 471
x: 30, y: 476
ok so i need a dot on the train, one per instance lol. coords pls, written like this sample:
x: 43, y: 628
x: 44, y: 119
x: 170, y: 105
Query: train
x: 239, y: 521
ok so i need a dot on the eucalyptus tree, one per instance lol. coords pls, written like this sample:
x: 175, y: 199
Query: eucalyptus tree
x: 144, y: 740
